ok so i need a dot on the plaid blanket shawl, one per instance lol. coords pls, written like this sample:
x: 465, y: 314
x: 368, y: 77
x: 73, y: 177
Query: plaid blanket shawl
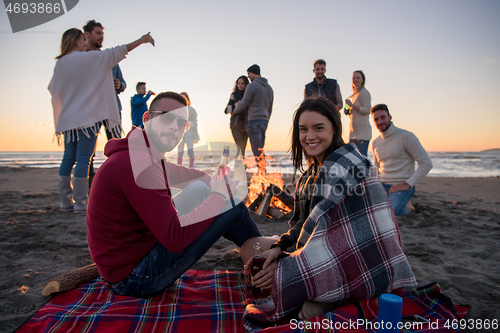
x: 211, y: 301
x: 349, y: 246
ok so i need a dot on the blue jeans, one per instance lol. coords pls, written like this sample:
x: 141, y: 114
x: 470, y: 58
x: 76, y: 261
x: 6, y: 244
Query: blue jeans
x: 80, y: 152
x: 362, y: 146
x: 256, y: 130
x: 399, y: 199
x: 189, y: 141
x: 160, y: 268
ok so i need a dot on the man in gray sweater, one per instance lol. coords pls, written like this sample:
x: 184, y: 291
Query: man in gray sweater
x: 395, y: 152
x: 258, y: 102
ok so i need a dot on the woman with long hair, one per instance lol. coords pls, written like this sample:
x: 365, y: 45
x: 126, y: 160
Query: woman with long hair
x: 360, y: 131
x: 344, y: 236
x: 238, y: 122
x: 83, y: 98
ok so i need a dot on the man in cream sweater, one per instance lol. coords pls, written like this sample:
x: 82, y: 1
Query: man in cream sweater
x: 395, y: 152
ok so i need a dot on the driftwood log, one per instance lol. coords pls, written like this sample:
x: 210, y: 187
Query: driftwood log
x: 284, y: 197
x: 275, y: 213
x: 71, y: 280
x: 264, y: 205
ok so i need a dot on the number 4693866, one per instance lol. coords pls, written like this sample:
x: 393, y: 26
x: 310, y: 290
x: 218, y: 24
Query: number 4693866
x: 472, y: 324
x: 33, y: 8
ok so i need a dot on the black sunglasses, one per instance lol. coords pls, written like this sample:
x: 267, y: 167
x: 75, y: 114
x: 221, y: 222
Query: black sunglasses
x: 166, y: 118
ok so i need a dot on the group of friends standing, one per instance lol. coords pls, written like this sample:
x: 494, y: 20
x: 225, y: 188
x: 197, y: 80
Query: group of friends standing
x: 394, y: 155
x: 343, y: 244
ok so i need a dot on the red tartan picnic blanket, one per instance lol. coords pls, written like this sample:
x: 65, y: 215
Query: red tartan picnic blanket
x: 210, y: 301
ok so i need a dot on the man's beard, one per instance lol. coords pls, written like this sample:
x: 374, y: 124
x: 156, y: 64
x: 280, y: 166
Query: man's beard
x: 387, y: 125
x: 163, y: 147
x: 97, y: 45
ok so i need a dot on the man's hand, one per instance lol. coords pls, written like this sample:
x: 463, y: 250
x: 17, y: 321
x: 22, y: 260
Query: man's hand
x: 150, y: 92
x: 222, y: 187
x: 399, y: 187
x: 117, y: 83
x: 196, y: 141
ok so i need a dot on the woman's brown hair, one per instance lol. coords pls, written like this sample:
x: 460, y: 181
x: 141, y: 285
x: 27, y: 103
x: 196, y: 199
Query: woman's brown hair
x: 68, y: 41
x: 326, y: 108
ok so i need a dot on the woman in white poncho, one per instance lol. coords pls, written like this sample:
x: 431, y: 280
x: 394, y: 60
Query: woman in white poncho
x: 83, y: 98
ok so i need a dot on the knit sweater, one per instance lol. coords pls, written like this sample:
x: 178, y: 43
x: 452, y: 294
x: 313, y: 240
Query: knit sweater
x: 395, y: 152
x: 359, y: 127
x: 83, y: 92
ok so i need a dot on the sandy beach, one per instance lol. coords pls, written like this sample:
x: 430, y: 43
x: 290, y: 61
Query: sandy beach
x: 453, y: 238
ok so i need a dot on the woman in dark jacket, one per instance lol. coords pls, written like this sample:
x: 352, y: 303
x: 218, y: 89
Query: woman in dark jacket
x: 238, y: 122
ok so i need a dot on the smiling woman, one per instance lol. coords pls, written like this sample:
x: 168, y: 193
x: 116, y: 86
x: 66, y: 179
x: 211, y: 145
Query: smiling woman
x: 316, y: 134
x: 337, y: 199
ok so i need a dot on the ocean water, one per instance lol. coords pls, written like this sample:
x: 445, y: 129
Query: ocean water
x: 446, y: 164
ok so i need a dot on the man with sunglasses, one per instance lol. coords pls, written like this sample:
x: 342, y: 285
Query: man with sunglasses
x: 143, y: 238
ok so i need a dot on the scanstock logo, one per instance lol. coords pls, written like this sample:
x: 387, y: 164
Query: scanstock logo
x: 26, y: 14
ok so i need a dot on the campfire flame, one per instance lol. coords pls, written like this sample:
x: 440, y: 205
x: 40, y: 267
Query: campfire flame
x: 261, y: 180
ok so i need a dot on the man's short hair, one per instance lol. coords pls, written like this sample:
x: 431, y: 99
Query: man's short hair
x: 380, y: 107
x: 140, y: 84
x: 169, y: 94
x: 91, y: 25
x: 319, y: 62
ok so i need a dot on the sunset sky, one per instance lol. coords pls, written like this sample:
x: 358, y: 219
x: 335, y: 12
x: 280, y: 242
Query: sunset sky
x: 436, y: 64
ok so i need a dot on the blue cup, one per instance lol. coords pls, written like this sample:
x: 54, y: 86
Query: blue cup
x: 389, y: 313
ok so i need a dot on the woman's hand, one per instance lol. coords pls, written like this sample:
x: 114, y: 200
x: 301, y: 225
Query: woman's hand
x: 264, y: 278
x: 348, y: 102
x: 271, y: 256
x: 146, y: 38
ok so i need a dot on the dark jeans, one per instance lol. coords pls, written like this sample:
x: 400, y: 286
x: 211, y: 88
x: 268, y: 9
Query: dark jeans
x: 241, y: 139
x: 257, y: 135
x: 109, y: 136
x: 189, y: 142
x: 160, y: 268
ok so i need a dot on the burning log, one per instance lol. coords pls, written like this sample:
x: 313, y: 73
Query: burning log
x: 284, y: 197
x: 275, y: 213
x: 246, y: 201
x: 71, y: 280
x: 256, y: 203
x: 264, y: 205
